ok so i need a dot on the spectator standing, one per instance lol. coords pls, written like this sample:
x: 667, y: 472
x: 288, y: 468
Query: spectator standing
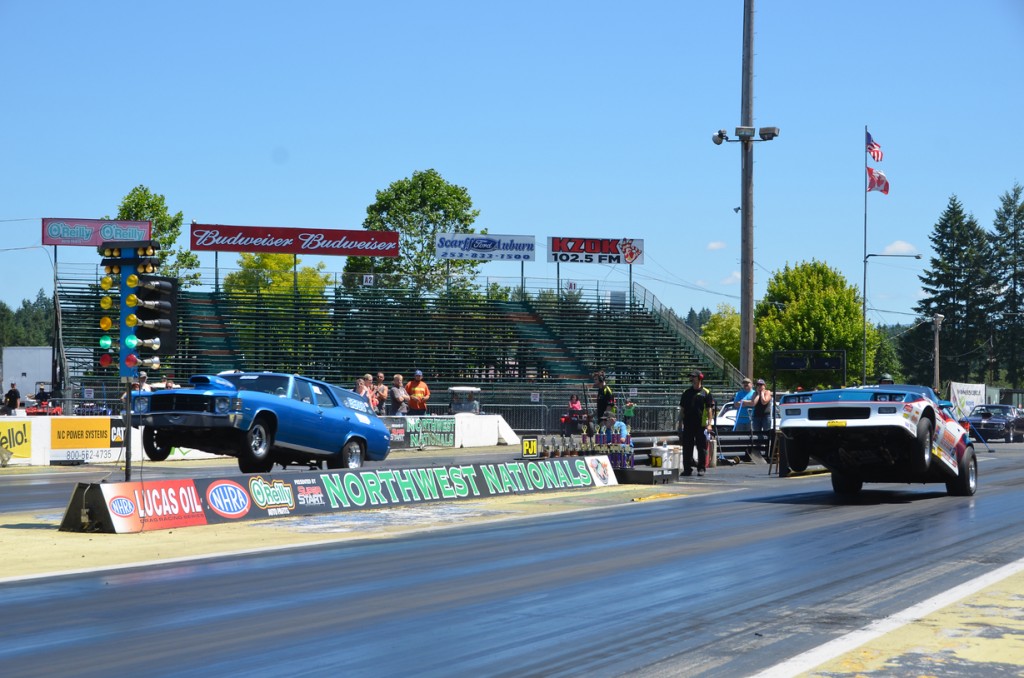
x: 696, y: 414
x: 398, y: 397
x: 143, y: 383
x: 419, y: 394
x: 12, y: 400
x: 381, y: 389
x: 628, y: 412
x: 745, y: 393
x: 371, y: 391
x: 761, y: 416
x: 605, y: 397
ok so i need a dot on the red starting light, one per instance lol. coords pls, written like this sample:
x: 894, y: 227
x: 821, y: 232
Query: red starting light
x: 106, y: 360
x: 131, y: 360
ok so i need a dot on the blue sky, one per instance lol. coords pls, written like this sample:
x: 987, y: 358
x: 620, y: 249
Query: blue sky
x: 561, y: 119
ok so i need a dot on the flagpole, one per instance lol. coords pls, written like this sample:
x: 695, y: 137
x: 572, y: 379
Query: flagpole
x: 864, y: 288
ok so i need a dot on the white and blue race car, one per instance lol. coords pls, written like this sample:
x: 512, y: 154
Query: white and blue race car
x: 262, y: 418
x: 892, y: 433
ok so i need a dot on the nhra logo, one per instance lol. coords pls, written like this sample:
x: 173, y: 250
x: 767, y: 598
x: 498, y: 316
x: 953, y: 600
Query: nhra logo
x: 122, y: 506
x: 228, y: 499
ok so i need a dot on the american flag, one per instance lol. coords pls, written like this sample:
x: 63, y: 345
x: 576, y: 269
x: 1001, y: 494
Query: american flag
x: 873, y: 149
x: 877, y: 181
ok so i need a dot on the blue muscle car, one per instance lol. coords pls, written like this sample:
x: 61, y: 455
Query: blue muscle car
x: 262, y: 418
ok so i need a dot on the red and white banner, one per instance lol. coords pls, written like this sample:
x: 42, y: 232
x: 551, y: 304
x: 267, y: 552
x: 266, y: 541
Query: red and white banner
x: 596, y: 250
x: 318, y: 241
x: 93, y: 232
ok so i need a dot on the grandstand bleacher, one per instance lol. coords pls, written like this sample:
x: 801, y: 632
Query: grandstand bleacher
x: 539, y: 348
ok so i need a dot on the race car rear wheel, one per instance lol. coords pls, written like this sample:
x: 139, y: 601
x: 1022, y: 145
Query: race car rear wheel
x: 966, y: 482
x: 845, y: 485
x: 352, y: 454
x: 922, y: 458
x: 254, y: 454
x: 156, y: 449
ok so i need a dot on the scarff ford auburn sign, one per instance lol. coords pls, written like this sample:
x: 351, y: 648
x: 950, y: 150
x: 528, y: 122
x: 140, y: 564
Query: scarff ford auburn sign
x: 274, y: 239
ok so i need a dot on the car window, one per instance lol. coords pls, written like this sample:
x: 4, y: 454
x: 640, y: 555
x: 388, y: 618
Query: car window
x: 302, y: 391
x: 273, y: 384
x: 351, y: 400
x: 323, y: 399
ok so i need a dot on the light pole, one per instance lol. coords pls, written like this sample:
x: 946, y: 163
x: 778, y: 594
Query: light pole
x: 937, y: 319
x: 864, y: 305
x: 745, y: 136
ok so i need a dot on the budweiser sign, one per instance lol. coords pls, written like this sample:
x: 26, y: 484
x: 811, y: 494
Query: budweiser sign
x: 318, y: 241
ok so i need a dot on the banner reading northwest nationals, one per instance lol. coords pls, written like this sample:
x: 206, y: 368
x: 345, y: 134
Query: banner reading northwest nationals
x: 318, y: 241
x: 164, y: 504
x: 596, y: 250
x: 485, y: 247
x: 93, y: 232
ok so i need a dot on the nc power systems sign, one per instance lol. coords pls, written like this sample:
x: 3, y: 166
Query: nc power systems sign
x: 318, y: 241
x: 165, y: 504
x: 93, y: 232
x: 596, y: 250
x: 477, y: 247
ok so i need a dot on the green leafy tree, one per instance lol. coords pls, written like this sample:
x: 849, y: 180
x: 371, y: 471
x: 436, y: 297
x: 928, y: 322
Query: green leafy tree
x: 143, y: 205
x: 1008, y: 268
x: 809, y: 306
x: 417, y: 208
x: 960, y: 285
x: 722, y: 332
x: 274, y: 274
x: 33, y: 322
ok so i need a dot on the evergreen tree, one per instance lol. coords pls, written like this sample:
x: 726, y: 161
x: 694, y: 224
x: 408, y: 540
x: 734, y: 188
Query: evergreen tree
x: 1008, y: 268
x: 960, y: 285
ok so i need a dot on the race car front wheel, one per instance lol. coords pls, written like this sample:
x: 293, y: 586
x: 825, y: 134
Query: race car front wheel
x: 922, y: 458
x: 846, y: 485
x: 155, y: 448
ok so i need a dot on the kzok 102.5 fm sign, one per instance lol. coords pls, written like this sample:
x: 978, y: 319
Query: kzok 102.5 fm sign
x: 596, y: 250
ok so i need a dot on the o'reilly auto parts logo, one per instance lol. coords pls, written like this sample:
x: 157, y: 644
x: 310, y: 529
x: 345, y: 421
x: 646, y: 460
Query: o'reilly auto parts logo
x: 596, y: 250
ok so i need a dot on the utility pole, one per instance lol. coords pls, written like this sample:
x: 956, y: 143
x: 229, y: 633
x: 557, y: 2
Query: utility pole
x: 938, y: 326
x: 747, y: 198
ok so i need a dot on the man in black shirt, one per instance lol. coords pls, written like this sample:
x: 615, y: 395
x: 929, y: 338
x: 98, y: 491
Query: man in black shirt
x: 12, y: 400
x: 696, y: 414
x: 605, y: 397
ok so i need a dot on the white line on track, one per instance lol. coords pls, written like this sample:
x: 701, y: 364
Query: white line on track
x: 832, y: 649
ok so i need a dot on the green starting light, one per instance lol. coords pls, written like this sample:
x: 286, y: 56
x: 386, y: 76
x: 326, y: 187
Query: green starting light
x: 131, y: 342
x: 106, y: 342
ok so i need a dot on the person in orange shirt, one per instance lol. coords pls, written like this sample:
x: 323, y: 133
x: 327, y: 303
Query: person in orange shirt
x: 419, y: 394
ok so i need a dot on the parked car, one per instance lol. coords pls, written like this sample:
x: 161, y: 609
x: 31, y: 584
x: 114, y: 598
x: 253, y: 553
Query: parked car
x: 262, y: 418
x: 879, y: 434
x: 997, y: 421
x: 726, y: 417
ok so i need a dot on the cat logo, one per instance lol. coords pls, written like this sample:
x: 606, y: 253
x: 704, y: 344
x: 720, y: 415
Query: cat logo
x: 117, y: 435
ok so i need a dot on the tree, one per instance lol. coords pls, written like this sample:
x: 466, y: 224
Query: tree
x: 960, y: 285
x: 417, y: 208
x: 722, y: 332
x: 272, y: 274
x: 142, y: 205
x: 1008, y: 269
x: 809, y: 307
